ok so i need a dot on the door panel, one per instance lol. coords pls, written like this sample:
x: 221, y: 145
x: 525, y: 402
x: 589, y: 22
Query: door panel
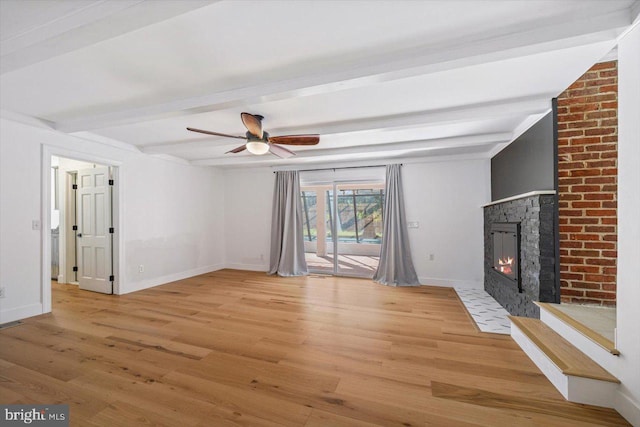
x: 316, y: 202
x: 359, y: 214
x: 350, y: 212
x: 94, y: 241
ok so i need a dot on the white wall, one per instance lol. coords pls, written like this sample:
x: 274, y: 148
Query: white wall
x: 628, y: 289
x: 248, y: 200
x: 174, y: 221
x: 171, y: 218
x: 20, y: 266
x: 445, y: 198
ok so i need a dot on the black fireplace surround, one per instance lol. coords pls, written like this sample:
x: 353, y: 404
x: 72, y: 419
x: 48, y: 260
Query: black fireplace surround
x: 534, y: 278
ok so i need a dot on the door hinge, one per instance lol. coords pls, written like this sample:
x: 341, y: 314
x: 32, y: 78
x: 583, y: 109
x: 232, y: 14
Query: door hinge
x: 75, y: 268
x: 111, y: 230
x: 74, y: 186
x: 74, y: 228
x: 110, y: 182
x: 112, y: 278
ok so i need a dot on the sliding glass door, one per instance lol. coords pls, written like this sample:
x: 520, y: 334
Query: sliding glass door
x: 352, y: 213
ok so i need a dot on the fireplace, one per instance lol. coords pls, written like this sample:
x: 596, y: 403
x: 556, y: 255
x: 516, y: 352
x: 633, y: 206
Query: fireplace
x: 505, y: 239
x: 520, y: 252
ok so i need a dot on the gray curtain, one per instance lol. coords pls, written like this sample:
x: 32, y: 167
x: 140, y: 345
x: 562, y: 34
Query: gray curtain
x: 396, y: 266
x: 287, y: 244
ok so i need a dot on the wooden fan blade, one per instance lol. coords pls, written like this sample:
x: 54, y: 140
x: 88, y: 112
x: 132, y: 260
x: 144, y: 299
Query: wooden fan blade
x: 295, y: 139
x: 253, y: 124
x: 237, y: 149
x: 208, y: 132
x: 281, y: 152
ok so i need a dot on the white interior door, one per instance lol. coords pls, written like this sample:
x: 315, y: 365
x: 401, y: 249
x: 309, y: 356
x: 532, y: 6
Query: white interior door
x: 94, y: 221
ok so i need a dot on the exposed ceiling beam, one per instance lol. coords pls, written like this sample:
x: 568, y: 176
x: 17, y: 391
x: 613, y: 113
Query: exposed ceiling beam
x: 525, y: 106
x: 505, y: 43
x: 24, y: 119
x: 85, y: 26
x: 436, y: 154
x: 379, y: 150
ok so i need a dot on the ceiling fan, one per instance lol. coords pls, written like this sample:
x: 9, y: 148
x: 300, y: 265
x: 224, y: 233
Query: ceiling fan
x: 259, y: 142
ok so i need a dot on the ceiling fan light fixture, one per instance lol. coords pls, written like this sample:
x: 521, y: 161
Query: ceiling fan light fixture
x: 257, y: 147
x: 258, y: 141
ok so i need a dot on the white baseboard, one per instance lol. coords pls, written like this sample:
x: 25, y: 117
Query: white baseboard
x: 156, y: 281
x: 247, y: 267
x: 19, y: 313
x: 428, y: 281
x: 451, y: 283
x: 626, y: 406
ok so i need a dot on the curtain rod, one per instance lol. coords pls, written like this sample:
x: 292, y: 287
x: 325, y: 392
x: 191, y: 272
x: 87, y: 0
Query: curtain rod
x: 345, y: 167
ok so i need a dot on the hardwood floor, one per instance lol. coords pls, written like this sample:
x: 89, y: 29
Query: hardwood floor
x: 240, y: 348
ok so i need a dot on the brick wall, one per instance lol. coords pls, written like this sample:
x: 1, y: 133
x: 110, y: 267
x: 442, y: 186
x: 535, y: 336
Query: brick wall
x: 587, y: 186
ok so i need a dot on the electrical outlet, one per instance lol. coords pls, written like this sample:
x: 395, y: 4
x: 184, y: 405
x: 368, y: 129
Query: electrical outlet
x: 2, y: 292
x: 141, y: 268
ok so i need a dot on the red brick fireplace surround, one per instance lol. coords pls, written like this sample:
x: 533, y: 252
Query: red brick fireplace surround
x: 587, y: 186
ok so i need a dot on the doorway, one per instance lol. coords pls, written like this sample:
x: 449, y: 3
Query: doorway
x: 343, y: 227
x: 83, y: 235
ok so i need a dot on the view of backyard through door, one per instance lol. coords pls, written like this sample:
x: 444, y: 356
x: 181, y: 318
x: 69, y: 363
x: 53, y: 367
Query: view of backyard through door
x: 352, y: 212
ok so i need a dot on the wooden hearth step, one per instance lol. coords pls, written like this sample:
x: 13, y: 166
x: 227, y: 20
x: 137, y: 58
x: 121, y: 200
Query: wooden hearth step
x: 567, y: 358
x: 589, y: 333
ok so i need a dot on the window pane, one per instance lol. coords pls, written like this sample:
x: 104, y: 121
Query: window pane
x: 369, y: 215
x: 309, y: 203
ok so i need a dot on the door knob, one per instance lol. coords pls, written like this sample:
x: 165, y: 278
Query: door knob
x: 79, y: 234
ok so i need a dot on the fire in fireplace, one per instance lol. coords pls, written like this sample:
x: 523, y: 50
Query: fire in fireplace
x: 506, y: 250
x: 505, y: 266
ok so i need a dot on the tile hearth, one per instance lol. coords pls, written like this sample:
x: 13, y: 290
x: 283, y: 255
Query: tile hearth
x: 485, y: 311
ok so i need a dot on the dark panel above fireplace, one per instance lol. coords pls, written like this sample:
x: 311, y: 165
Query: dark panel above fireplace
x: 527, y: 164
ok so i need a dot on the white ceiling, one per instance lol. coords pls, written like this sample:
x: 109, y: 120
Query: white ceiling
x: 377, y: 79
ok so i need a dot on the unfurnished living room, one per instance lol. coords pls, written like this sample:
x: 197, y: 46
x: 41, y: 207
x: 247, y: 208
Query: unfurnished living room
x: 319, y: 213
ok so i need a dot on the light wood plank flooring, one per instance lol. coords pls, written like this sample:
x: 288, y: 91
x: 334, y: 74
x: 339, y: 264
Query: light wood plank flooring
x: 241, y: 348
